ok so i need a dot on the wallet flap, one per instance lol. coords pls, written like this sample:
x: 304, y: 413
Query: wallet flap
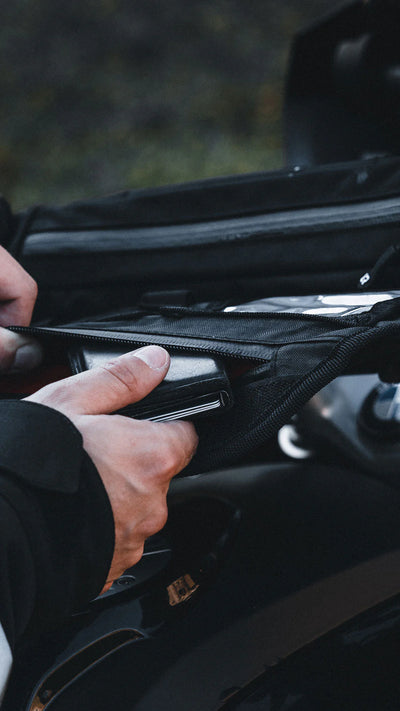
x: 193, y: 382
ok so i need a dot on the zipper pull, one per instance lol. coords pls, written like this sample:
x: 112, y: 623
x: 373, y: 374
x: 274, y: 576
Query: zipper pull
x: 390, y: 255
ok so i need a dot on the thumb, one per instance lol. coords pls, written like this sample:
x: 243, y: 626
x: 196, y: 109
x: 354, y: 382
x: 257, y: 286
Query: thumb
x: 118, y: 383
x: 17, y: 352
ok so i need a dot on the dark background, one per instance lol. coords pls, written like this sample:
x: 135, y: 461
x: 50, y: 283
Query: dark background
x: 101, y: 95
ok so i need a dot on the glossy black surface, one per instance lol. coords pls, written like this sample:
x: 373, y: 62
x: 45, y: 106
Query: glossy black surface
x: 354, y: 668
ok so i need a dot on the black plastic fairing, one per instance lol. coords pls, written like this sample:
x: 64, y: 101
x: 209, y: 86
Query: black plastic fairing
x: 313, y: 547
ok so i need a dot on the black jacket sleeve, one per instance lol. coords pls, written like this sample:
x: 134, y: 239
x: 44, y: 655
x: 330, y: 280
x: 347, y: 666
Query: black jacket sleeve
x: 56, y: 523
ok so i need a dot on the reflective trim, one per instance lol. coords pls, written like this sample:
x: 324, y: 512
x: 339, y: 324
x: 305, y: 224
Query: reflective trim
x: 5, y: 662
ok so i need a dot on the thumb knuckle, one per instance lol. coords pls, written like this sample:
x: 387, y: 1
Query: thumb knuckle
x: 122, y: 374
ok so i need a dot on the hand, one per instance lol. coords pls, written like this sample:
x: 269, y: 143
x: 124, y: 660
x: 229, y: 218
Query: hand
x: 136, y: 459
x: 18, y: 292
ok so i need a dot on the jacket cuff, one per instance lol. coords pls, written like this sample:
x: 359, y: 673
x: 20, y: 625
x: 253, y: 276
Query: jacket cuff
x: 63, y: 507
x: 40, y: 445
x: 97, y: 535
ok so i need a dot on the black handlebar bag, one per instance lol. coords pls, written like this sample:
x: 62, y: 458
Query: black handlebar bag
x: 161, y: 266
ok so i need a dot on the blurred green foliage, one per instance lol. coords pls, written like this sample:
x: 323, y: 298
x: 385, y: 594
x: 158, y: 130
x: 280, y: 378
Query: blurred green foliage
x: 103, y: 95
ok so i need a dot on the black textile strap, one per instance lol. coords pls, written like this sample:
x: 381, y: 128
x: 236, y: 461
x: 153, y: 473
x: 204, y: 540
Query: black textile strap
x: 389, y: 256
x: 16, y: 244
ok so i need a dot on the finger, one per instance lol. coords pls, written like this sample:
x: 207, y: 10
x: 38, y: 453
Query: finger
x: 152, y: 450
x: 117, y: 384
x: 158, y: 450
x: 106, y: 587
x: 180, y: 441
x: 18, y: 292
x: 17, y: 352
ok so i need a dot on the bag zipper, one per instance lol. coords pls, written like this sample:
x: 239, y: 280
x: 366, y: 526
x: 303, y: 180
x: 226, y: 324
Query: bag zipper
x: 300, y: 393
x: 108, y: 336
x: 186, y: 344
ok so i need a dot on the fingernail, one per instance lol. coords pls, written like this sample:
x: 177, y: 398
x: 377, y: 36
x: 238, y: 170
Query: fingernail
x: 27, y: 357
x: 154, y: 356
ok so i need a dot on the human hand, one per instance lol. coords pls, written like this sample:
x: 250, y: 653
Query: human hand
x: 136, y: 459
x: 18, y: 292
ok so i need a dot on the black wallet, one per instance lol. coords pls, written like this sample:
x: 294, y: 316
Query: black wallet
x: 195, y: 385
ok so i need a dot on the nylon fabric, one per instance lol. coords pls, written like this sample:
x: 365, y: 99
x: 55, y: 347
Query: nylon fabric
x: 230, y: 197
x: 299, y: 355
x: 218, y: 229
x: 99, y: 262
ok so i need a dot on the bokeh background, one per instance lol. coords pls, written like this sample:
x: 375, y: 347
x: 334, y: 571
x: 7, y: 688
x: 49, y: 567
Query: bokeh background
x: 103, y: 95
